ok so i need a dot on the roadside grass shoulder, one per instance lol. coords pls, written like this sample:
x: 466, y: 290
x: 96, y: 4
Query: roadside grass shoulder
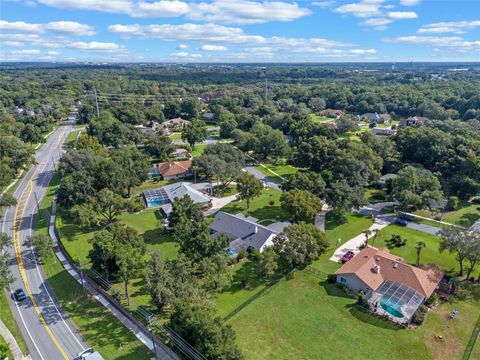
x: 7, y: 318
x: 429, y: 255
x: 96, y: 324
x: 3, y: 343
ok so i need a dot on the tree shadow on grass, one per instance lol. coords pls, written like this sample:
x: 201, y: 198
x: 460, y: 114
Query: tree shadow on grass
x: 245, y: 278
x: 157, y: 236
x: 467, y: 220
x: 334, y: 290
x: 371, y: 319
x: 99, y: 328
x: 270, y: 212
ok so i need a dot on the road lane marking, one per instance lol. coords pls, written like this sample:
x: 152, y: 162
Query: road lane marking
x: 16, y: 241
x: 16, y: 304
x: 43, y: 281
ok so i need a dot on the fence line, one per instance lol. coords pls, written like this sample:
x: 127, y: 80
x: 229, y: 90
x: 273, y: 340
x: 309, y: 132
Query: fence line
x: 471, y: 343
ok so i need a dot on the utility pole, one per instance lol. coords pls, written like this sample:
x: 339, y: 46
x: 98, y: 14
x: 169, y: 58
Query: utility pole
x: 81, y: 274
x: 96, y: 101
x: 150, y: 317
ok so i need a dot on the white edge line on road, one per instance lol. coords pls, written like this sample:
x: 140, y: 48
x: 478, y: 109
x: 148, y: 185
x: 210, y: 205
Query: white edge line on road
x: 38, y: 271
x: 16, y: 304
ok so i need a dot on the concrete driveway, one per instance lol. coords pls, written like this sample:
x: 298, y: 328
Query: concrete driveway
x: 262, y: 177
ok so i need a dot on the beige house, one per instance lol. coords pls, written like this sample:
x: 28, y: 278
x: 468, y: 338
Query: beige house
x: 392, y: 287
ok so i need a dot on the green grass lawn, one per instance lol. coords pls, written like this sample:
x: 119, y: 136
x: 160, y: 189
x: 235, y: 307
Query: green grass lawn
x: 7, y: 318
x: 466, y: 214
x: 230, y: 298
x: 429, y: 254
x: 305, y: 318
x: 199, y: 149
x: 97, y: 325
x: 260, y: 207
x: 4, y: 343
x: 339, y: 234
x: 318, y: 118
x: 284, y: 171
x: 71, y: 139
x: 176, y: 136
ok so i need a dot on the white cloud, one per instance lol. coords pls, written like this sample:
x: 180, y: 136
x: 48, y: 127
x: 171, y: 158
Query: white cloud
x: 409, y: 2
x: 20, y: 26
x: 450, y: 42
x: 400, y: 15
x: 362, y: 9
x: 246, y: 12
x: 12, y: 43
x: 456, y: 27
x: 220, y: 11
x: 65, y: 27
x: 183, y: 54
x: 376, y: 22
x: 182, y: 46
x: 323, y: 3
x: 214, y: 48
x: 26, y: 52
x: 110, y: 6
x: 70, y: 27
x: 95, y: 46
x: 160, y: 9
x: 213, y: 33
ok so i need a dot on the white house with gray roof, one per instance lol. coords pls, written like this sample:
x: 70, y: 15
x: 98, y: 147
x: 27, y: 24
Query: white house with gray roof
x: 245, y: 232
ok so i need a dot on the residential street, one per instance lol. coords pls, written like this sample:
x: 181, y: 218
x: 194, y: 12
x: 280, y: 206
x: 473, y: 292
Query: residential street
x: 47, y: 331
x: 376, y: 210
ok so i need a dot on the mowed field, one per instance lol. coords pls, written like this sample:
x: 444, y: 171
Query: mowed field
x: 305, y: 318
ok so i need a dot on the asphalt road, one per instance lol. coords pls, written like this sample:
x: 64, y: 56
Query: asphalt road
x: 46, y: 329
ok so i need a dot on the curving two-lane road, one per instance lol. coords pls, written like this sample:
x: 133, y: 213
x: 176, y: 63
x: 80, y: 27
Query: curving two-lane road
x: 46, y: 329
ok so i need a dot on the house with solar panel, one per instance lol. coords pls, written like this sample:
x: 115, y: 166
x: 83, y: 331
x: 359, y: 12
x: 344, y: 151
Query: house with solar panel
x: 164, y: 196
x: 391, y: 286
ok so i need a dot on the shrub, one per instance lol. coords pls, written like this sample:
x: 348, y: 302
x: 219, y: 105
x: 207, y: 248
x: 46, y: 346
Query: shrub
x: 420, y: 315
x: 431, y: 300
x: 379, y: 195
x: 135, y: 205
x: 452, y: 203
x: 242, y: 254
x: 332, y: 278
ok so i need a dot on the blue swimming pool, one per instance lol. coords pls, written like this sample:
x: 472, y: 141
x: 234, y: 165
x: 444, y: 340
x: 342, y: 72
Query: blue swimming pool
x: 154, y: 202
x: 391, y: 308
x: 231, y: 252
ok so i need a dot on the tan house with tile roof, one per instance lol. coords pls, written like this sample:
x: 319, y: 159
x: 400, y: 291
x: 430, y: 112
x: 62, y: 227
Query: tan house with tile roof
x: 371, y: 267
x: 174, y: 169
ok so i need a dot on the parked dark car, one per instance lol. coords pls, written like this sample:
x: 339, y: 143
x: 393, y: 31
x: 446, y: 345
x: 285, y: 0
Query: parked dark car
x: 19, y: 295
x: 347, y: 257
x: 401, y: 222
x: 406, y: 217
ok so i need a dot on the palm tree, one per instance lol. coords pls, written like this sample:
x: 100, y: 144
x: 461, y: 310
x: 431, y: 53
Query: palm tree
x: 367, y: 234
x: 419, y: 247
x: 375, y: 234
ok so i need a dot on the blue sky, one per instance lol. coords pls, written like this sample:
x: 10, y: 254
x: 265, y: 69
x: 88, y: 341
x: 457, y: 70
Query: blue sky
x: 239, y: 30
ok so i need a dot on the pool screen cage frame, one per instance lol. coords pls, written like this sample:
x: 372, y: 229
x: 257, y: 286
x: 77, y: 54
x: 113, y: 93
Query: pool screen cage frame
x: 156, y: 194
x: 404, y: 298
